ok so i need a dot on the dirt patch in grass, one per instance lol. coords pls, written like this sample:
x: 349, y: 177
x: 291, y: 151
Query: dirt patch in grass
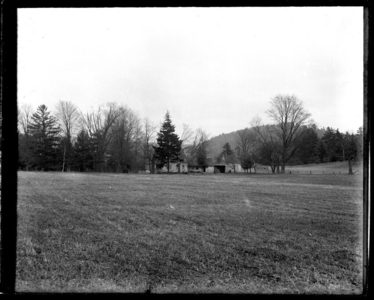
x: 194, y: 234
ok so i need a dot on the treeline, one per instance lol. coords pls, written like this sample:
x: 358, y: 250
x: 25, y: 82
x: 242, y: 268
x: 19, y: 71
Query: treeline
x: 338, y: 146
x: 331, y: 147
x: 293, y: 139
x: 319, y: 145
x: 111, y: 138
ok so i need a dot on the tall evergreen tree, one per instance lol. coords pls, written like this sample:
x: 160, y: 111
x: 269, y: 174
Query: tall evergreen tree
x: 169, y: 144
x: 329, y: 138
x: 321, y: 152
x: 226, y: 151
x: 228, y: 155
x: 45, y: 132
x: 307, y: 152
x: 340, y: 145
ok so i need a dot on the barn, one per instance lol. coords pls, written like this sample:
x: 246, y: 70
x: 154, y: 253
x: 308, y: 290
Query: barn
x: 180, y: 167
x: 227, y: 168
x: 220, y: 168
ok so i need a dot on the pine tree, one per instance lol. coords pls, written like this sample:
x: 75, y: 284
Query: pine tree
x: 321, y: 152
x: 340, y: 145
x: 228, y: 155
x: 45, y: 133
x: 169, y: 144
x: 226, y: 151
x: 329, y: 138
x: 308, y: 147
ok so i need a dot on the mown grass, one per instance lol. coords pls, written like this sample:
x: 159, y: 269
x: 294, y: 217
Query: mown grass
x: 333, y: 168
x: 189, y: 233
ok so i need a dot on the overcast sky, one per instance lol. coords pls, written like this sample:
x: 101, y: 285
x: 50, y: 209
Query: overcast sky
x: 214, y: 68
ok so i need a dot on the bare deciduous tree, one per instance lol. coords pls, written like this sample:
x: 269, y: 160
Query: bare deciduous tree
x: 267, y: 143
x: 24, y: 118
x: 137, y: 140
x: 289, y: 115
x: 68, y: 117
x: 24, y: 121
x: 98, y: 124
x: 198, y: 147
x: 246, y: 142
x: 187, y: 135
x: 149, y: 134
x: 125, y: 147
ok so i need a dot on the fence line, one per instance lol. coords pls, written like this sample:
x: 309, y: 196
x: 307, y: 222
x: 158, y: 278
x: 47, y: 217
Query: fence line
x: 295, y: 172
x: 321, y: 172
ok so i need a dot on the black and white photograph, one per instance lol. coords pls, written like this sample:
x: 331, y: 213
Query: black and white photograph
x: 190, y: 150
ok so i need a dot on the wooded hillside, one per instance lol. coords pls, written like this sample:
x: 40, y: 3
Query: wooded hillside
x: 216, y: 143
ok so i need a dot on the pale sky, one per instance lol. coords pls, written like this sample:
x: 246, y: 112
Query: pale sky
x: 213, y: 68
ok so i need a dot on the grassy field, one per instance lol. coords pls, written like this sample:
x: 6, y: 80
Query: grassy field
x: 337, y: 168
x: 189, y: 233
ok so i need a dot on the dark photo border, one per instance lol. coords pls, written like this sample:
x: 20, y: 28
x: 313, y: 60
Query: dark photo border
x: 9, y: 136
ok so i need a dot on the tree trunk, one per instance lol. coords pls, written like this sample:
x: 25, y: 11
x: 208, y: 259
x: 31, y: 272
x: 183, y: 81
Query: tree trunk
x: 152, y: 166
x: 63, y: 161
x: 350, y: 172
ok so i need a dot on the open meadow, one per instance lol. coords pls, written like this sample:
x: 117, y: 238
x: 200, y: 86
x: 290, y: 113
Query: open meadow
x: 332, y: 168
x: 255, y: 233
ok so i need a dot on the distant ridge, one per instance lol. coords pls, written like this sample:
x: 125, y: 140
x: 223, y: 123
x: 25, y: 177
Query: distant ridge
x: 216, y: 143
